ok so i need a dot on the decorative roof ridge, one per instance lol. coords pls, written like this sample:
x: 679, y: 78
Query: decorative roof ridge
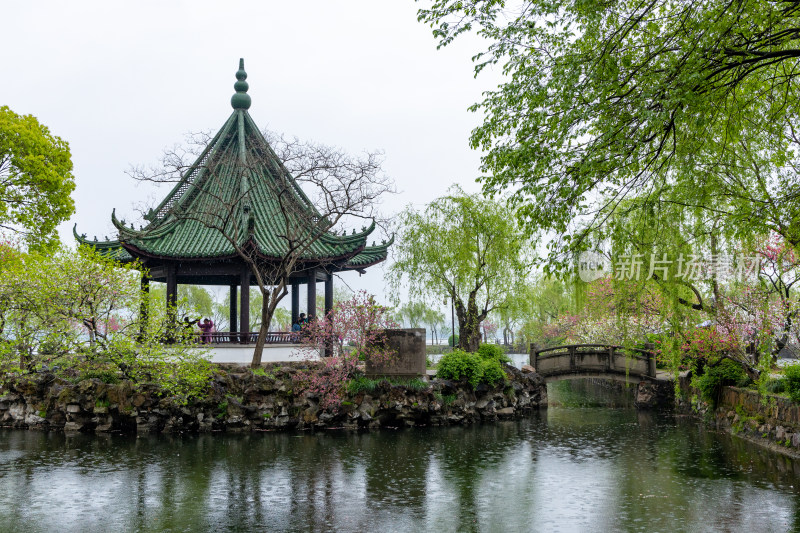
x: 368, y: 256
x: 354, y: 237
x: 383, y: 246
x: 197, y: 166
x: 284, y: 172
x: 83, y: 240
x: 128, y: 232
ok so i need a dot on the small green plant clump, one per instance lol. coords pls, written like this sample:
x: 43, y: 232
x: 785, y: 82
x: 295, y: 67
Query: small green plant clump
x: 365, y: 384
x: 791, y: 379
x: 459, y: 365
x: 471, y: 367
x: 416, y: 384
x: 716, y: 376
x: 493, y: 373
x: 362, y: 384
x: 105, y: 375
x: 776, y: 386
x: 446, y: 399
x: 493, y: 351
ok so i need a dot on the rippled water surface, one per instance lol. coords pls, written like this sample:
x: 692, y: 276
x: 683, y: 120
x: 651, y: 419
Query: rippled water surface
x: 562, y: 469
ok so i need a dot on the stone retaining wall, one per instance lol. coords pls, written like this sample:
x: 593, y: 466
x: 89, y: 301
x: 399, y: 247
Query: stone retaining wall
x: 242, y: 401
x: 774, y: 423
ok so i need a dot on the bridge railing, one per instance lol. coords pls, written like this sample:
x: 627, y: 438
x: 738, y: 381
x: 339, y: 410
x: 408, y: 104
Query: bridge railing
x: 598, y: 358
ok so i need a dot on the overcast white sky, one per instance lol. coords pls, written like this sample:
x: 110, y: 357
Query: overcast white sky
x: 121, y: 81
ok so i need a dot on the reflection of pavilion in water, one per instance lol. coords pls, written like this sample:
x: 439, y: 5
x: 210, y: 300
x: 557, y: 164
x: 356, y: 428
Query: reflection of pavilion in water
x: 239, y: 197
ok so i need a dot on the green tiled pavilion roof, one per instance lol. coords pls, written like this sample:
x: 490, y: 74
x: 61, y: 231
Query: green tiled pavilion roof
x: 238, y: 183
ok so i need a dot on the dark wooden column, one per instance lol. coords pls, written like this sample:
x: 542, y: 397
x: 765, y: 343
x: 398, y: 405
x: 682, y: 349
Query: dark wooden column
x: 295, y: 303
x: 311, y: 304
x: 244, y: 314
x: 143, y: 305
x: 234, y: 309
x: 328, y: 294
x: 172, y: 294
x: 328, y: 307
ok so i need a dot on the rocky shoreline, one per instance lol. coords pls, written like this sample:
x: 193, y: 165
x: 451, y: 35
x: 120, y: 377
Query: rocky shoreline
x: 242, y: 401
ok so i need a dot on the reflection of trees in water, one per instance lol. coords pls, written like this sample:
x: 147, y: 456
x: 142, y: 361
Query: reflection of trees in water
x: 480, y: 477
x: 586, y: 392
x: 466, y: 460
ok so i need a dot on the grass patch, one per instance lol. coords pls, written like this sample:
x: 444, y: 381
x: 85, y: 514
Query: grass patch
x: 365, y: 384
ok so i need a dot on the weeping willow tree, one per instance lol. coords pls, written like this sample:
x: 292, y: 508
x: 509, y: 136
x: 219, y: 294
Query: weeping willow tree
x: 649, y: 128
x: 712, y: 284
x: 465, y: 248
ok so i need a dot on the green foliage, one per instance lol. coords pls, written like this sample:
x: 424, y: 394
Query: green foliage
x: 77, y: 313
x: 492, y: 372
x: 716, y: 376
x: 446, y: 399
x: 193, y: 301
x: 419, y: 314
x: 791, y: 377
x: 472, y: 368
x: 453, y: 340
x: 35, y: 179
x: 466, y: 248
x: 362, y: 384
x: 416, y: 384
x: 367, y: 385
x: 105, y: 375
x: 605, y: 100
x: 459, y: 365
x: 260, y: 371
x: 775, y: 386
x: 493, y: 352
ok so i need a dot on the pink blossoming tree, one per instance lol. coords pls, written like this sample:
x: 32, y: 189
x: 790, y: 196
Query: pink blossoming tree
x: 352, y: 333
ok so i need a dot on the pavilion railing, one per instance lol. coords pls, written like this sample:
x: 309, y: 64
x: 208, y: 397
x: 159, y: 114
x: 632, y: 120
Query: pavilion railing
x: 227, y: 337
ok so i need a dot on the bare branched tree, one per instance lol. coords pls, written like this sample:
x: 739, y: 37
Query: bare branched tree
x: 313, y: 192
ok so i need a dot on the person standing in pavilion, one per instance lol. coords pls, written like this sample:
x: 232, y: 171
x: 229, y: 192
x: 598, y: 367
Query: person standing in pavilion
x: 206, y: 326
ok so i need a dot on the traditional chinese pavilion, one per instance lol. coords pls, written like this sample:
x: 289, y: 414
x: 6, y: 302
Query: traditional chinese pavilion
x: 178, y: 245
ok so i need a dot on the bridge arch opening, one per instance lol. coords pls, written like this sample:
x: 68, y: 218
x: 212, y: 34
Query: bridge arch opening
x: 591, y: 392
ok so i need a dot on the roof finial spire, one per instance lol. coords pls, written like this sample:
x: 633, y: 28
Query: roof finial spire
x: 241, y: 100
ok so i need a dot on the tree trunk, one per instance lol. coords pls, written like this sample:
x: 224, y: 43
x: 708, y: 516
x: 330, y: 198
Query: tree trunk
x: 469, y: 322
x: 266, y: 318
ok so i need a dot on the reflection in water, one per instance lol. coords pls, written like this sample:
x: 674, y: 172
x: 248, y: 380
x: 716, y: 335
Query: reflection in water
x: 563, y: 469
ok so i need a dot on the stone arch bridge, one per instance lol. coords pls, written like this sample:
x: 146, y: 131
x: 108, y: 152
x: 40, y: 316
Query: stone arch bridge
x: 601, y: 361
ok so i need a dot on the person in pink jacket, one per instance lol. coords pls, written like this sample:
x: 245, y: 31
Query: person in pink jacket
x: 206, y: 326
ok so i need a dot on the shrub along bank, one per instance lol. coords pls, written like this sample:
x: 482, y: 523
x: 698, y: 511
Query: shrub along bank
x: 239, y: 399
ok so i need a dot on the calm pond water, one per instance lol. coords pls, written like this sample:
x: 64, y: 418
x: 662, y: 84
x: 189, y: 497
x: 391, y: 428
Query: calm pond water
x: 562, y: 469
